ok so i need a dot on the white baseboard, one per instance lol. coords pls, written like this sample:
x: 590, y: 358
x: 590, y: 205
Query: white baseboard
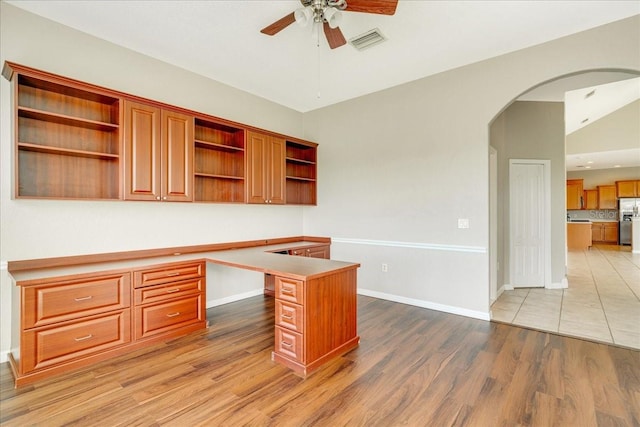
x: 234, y: 298
x: 426, y: 304
x: 562, y: 285
x: 508, y: 287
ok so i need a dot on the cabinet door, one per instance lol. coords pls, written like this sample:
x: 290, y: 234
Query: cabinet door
x: 177, y: 156
x: 265, y: 168
x: 574, y: 194
x: 142, y: 128
x: 610, y: 233
x: 318, y: 252
x: 591, y: 199
x: 596, y: 232
x: 607, y: 197
x: 626, y: 188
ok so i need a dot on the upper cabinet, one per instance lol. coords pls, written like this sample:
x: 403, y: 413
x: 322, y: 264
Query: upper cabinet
x: 628, y: 188
x: 301, y: 173
x: 591, y: 199
x: 74, y: 140
x: 219, y: 162
x: 67, y: 138
x: 158, y: 148
x: 607, y: 197
x: 575, y: 194
x: 266, y: 168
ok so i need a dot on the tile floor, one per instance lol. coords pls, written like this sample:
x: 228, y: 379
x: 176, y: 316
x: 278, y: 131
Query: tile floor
x: 602, y: 302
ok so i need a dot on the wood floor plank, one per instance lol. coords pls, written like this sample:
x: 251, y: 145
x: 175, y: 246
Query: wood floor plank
x: 414, y: 367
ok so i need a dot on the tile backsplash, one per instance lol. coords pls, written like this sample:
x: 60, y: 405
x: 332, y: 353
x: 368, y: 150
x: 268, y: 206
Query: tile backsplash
x: 594, y: 214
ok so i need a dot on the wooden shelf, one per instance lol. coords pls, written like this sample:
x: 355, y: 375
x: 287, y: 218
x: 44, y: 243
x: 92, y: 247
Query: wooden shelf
x: 65, y: 120
x: 299, y: 178
x: 65, y: 151
x: 307, y: 162
x: 208, y: 175
x: 216, y: 146
x: 301, y: 173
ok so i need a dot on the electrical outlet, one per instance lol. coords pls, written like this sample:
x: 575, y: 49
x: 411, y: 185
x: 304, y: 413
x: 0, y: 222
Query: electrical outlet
x: 463, y: 222
x: 385, y: 268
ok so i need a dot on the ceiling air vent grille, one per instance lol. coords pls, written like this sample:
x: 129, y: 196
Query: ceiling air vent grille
x: 368, y: 39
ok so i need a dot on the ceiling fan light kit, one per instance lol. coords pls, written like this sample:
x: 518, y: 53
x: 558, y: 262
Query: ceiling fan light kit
x: 328, y: 13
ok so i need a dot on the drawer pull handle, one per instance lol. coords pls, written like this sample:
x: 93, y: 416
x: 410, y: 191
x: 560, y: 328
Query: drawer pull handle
x: 286, y: 344
x: 287, y: 291
x: 173, y: 314
x: 176, y: 273
x: 286, y: 316
x: 83, y: 338
x: 170, y: 291
x: 83, y: 298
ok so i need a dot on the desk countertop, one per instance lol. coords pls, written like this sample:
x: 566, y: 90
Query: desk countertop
x: 258, y: 258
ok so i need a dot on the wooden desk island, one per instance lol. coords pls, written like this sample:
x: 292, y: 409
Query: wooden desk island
x: 75, y: 311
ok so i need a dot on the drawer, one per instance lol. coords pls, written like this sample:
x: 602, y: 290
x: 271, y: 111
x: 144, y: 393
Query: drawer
x: 290, y: 290
x: 289, y: 316
x: 167, y: 274
x: 155, y: 319
x: 73, y: 299
x: 159, y: 293
x: 48, y: 346
x: 289, y: 344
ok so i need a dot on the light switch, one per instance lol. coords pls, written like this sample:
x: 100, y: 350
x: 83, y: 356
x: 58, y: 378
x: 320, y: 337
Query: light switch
x: 463, y: 222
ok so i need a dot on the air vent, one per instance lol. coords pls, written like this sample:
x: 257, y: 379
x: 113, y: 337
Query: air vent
x: 368, y: 39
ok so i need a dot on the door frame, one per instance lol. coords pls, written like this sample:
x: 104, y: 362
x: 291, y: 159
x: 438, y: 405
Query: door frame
x: 493, y: 226
x: 546, y: 167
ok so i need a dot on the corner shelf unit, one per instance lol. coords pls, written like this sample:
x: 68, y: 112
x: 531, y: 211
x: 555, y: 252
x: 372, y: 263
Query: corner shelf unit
x: 68, y: 141
x: 301, y: 173
x: 219, y: 162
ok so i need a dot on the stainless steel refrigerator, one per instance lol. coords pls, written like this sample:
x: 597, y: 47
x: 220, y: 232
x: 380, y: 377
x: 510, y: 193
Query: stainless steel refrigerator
x: 627, y: 209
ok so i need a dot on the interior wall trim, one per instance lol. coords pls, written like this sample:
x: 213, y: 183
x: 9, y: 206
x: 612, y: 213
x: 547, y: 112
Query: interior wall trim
x: 4, y: 265
x: 413, y: 245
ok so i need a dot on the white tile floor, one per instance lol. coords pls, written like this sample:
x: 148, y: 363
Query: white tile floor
x: 602, y: 302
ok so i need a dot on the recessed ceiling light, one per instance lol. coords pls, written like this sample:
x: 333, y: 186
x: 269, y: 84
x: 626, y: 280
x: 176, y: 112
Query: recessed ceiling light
x: 617, y: 166
x: 587, y: 167
x: 590, y: 162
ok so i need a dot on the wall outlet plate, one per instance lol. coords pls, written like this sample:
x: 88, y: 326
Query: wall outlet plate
x: 463, y: 222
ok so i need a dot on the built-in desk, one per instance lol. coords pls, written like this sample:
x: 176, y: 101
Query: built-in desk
x: 71, y: 312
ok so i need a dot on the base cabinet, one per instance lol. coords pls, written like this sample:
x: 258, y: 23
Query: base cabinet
x: 604, y: 232
x: 66, y: 323
x: 315, y: 320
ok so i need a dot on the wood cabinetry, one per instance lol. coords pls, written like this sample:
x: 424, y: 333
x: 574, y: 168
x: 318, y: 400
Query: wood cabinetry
x: 64, y: 322
x: 219, y: 162
x: 604, y: 232
x: 158, y: 147
x: 265, y: 157
x: 301, y: 173
x: 169, y: 298
x: 607, y: 197
x: 67, y: 137
x: 71, y: 322
x: 315, y: 319
x: 575, y: 194
x: 628, y: 188
x: 320, y: 251
x: 591, y: 199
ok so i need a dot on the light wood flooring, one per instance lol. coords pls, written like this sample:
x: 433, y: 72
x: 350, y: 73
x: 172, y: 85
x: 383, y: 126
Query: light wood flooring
x: 602, y: 302
x: 414, y: 367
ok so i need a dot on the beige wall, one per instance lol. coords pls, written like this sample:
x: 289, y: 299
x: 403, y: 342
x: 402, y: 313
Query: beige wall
x: 619, y: 130
x: 595, y: 177
x: 532, y: 130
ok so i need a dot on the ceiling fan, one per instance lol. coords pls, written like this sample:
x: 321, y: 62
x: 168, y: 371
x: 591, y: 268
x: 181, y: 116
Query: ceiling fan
x: 327, y: 12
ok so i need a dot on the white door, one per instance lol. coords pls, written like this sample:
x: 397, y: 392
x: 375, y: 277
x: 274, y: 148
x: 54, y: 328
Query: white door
x: 528, y: 204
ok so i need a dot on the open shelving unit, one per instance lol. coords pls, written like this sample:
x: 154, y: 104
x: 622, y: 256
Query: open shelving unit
x: 301, y: 173
x: 219, y: 162
x: 68, y: 143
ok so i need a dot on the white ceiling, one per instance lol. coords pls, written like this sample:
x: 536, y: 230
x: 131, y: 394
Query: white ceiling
x: 221, y: 39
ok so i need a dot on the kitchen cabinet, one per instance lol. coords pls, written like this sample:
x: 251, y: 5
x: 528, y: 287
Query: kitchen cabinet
x: 158, y: 149
x: 628, y: 188
x: 607, y: 197
x: 575, y: 194
x: 265, y: 157
x: 591, y: 199
x: 604, y: 232
x: 579, y: 235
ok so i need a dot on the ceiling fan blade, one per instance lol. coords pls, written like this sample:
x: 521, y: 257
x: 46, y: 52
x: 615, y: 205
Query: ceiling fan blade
x: 279, y: 25
x: 381, y: 7
x: 334, y: 36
